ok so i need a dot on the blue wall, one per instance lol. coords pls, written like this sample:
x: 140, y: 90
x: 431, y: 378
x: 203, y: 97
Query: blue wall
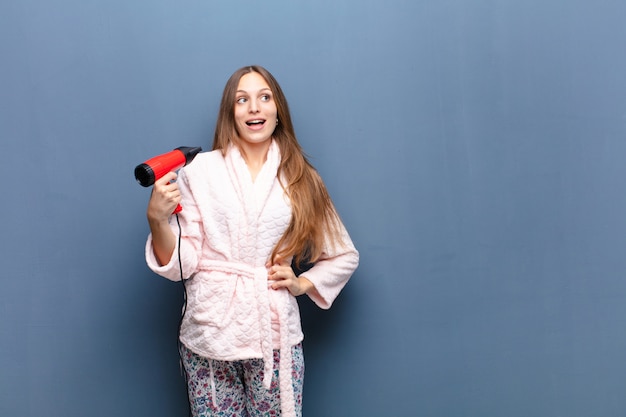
x: 475, y: 149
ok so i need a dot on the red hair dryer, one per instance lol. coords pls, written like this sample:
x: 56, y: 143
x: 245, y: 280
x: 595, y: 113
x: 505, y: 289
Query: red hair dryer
x: 153, y: 169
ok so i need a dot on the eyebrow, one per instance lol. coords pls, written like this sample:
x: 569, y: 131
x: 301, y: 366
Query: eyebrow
x: 262, y: 89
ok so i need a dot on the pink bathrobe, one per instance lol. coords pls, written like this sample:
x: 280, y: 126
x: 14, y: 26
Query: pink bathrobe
x: 230, y: 225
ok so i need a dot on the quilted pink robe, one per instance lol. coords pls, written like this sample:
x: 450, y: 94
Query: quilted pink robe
x: 230, y: 225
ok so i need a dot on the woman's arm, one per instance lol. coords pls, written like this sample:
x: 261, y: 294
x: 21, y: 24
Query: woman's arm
x: 163, y: 200
x: 325, y: 280
x: 283, y: 276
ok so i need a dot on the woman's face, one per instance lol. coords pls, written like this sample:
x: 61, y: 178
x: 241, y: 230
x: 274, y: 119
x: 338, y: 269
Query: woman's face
x: 255, y: 109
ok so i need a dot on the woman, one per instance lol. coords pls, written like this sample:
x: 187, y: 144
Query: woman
x: 251, y: 207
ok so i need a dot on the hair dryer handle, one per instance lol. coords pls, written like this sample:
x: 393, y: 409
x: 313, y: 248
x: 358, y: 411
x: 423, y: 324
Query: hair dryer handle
x: 178, y: 208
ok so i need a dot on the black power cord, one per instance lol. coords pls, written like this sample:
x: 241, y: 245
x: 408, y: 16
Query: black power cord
x: 182, y: 316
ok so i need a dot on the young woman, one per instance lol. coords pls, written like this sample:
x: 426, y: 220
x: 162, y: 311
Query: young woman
x: 250, y: 207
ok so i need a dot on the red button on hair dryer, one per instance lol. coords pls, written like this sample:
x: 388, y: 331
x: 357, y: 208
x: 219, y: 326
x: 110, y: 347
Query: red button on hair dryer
x: 153, y: 169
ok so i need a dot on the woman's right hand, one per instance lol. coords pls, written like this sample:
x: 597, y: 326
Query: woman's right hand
x: 164, y: 199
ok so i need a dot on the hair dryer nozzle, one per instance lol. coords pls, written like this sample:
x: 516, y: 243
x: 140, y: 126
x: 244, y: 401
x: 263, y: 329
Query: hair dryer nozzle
x: 144, y: 175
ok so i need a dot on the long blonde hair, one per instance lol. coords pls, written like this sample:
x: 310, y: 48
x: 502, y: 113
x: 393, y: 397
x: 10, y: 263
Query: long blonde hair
x: 314, y: 221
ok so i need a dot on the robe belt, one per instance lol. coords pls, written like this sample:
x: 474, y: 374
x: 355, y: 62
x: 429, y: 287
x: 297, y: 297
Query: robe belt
x: 259, y: 275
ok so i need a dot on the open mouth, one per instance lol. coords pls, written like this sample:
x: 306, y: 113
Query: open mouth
x: 257, y: 122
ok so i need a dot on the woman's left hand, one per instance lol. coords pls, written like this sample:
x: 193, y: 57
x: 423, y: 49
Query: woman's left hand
x: 283, y: 276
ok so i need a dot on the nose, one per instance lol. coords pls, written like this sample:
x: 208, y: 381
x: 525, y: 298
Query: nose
x: 253, y: 108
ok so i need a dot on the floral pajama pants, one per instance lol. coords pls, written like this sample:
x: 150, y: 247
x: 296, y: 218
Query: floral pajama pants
x: 238, y: 386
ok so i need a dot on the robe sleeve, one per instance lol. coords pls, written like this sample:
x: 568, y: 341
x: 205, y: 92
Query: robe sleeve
x: 190, y: 238
x: 332, y: 271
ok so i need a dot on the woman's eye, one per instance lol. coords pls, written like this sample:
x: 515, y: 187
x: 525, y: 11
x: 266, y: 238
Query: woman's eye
x: 241, y: 100
x: 266, y: 97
